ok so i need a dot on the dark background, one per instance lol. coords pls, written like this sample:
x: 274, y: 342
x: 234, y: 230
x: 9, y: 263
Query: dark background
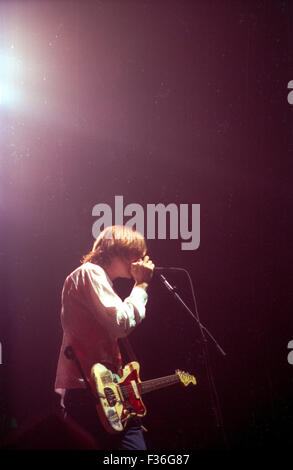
x: 158, y: 101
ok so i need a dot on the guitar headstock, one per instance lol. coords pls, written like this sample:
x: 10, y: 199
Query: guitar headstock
x: 185, y: 378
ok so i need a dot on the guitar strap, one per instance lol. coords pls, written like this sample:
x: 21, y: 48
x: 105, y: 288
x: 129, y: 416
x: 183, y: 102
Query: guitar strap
x: 70, y: 354
x: 128, y: 348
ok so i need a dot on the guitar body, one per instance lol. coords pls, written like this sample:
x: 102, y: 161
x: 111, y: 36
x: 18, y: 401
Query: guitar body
x: 119, y: 398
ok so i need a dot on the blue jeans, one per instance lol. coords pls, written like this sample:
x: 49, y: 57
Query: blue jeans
x: 80, y: 407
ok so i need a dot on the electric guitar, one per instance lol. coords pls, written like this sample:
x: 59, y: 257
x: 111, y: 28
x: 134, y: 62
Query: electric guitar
x: 119, y: 398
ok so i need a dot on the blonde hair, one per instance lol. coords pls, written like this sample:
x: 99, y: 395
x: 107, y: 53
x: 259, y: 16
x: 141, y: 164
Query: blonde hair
x: 116, y: 240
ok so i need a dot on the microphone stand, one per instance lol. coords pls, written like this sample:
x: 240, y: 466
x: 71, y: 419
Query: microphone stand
x: 213, y: 392
x: 202, y: 327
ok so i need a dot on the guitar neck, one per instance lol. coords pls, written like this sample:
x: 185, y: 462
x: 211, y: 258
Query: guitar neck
x: 155, y: 384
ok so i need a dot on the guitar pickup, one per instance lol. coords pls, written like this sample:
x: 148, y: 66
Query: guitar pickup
x: 110, y: 396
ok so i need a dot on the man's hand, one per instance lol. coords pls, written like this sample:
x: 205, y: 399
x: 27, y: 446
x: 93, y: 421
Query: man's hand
x: 142, y: 271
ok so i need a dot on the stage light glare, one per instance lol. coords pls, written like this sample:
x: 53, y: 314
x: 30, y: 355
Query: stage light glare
x: 10, y: 69
x: 9, y: 65
x: 9, y: 96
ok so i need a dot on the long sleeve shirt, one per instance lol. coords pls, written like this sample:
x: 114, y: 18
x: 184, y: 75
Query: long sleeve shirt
x: 93, y: 317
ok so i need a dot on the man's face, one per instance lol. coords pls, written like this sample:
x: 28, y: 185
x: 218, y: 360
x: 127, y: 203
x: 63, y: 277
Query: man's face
x: 121, y: 266
x: 126, y: 263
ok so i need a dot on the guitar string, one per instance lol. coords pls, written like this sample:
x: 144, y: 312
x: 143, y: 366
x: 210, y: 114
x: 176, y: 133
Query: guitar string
x: 145, y: 385
x: 125, y: 388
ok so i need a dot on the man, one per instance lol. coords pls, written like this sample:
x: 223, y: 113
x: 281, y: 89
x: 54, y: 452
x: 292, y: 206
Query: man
x: 93, y: 317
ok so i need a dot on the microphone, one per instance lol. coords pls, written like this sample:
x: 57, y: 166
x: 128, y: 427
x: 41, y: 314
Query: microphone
x: 158, y: 273
x: 160, y: 268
